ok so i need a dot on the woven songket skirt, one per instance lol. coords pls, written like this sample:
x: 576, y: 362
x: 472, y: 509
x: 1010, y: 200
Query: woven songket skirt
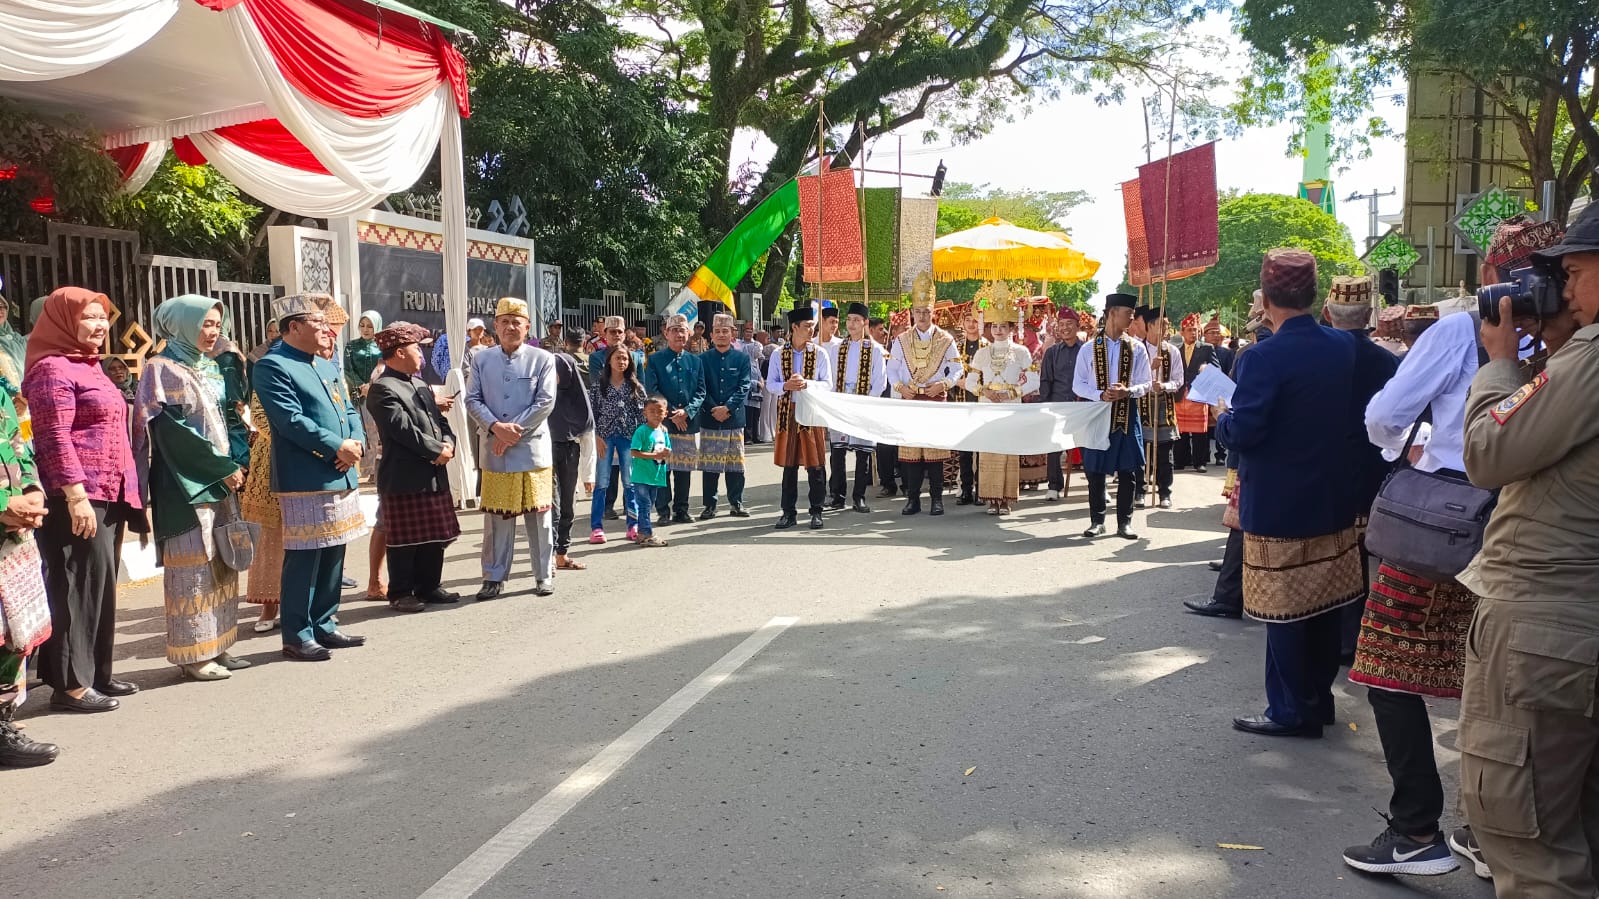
x: 412, y: 519
x: 1293, y: 579
x: 720, y: 451
x: 803, y: 447
x: 264, y: 583
x: 998, y: 476
x: 1413, y: 634
x: 512, y: 493
x: 202, y: 597
x: 1192, y: 418
x: 685, y: 453
x: 321, y: 520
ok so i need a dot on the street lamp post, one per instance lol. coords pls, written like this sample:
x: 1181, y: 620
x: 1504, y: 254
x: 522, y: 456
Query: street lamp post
x: 1374, y: 196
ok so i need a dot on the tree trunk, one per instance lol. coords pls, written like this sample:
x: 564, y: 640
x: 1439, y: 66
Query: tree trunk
x: 777, y: 270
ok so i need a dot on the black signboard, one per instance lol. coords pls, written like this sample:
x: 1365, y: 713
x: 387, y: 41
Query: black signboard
x: 403, y: 284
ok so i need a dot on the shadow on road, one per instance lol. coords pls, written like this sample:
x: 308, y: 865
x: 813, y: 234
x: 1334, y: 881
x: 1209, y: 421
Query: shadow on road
x: 1093, y: 720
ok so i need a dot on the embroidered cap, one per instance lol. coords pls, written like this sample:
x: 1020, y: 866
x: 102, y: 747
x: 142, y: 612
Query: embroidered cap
x: 310, y: 304
x: 1288, y: 276
x: 1420, y: 313
x: 1087, y: 321
x: 1517, y: 238
x: 1350, y: 291
x: 1394, y: 313
x: 399, y: 334
x: 511, y: 306
x: 1191, y: 320
x: 721, y: 320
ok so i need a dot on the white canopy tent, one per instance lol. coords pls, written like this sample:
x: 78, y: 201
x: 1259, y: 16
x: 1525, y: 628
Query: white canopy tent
x: 317, y: 107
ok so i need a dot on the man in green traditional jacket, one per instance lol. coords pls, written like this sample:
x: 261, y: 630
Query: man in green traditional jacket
x: 21, y: 510
x: 317, y: 443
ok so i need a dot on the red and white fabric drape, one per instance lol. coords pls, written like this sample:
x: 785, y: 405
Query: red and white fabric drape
x: 353, y: 99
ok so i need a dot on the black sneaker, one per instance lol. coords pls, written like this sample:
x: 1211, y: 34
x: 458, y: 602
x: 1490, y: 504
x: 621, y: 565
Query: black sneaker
x: 1395, y: 853
x: 1464, y: 842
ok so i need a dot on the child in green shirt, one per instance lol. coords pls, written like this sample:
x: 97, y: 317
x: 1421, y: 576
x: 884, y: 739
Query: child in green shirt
x: 649, y: 450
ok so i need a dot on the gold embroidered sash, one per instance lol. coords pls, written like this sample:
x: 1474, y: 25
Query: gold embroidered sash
x: 785, y: 405
x: 1154, y: 408
x: 1121, y: 410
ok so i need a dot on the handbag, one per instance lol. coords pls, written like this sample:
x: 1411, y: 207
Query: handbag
x: 234, y: 537
x: 1428, y: 522
x: 24, y: 608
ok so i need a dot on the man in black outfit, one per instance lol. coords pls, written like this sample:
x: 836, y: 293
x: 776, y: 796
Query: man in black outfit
x: 416, y: 507
x: 570, y: 423
x: 887, y: 454
x: 1055, y: 373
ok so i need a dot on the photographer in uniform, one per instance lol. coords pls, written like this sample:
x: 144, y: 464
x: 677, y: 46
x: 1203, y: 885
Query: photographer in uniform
x: 1528, y: 736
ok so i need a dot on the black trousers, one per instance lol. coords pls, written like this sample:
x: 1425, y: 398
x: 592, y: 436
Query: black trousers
x: 913, y: 473
x: 888, y: 465
x: 1098, y: 497
x: 1221, y: 451
x: 1055, y: 472
x: 1163, y: 470
x: 968, y: 474
x: 415, y: 570
x: 840, y: 475
x: 566, y: 454
x: 80, y: 579
x: 752, y: 424
x: 711, y: 481
x: 1230, y: 581
x: 672, y: 499
x: 817, y: 479
x: 1191, y: 450
x: 1406, y: 733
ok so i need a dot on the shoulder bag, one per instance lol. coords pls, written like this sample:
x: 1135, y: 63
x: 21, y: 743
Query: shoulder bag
x: 1428, y: 523
x: 235, y: 538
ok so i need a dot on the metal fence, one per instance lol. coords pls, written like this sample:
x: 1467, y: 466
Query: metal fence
x: 110, y: 261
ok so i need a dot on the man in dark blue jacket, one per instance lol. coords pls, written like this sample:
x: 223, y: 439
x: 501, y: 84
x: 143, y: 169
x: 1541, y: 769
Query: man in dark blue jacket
x: 1349, y: 309
x: 1290, y: 425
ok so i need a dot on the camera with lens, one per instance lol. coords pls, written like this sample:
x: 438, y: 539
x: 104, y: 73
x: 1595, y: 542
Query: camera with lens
x: 1533, y: 293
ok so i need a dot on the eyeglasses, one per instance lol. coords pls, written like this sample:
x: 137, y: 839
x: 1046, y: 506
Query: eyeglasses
x: 319, y: 321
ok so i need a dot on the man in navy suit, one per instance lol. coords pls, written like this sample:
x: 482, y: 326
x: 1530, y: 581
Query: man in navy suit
x: 1222, y: 357
x: 1290, y: 425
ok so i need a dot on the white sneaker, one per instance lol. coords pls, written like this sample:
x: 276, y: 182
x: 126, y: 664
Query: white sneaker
x: 1052, y: 496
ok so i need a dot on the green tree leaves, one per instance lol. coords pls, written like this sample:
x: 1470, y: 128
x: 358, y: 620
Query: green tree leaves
x: 1251, y: 224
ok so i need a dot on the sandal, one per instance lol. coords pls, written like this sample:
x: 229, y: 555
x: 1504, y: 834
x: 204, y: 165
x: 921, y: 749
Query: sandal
x: 205, y: 671
x: 569, y: 564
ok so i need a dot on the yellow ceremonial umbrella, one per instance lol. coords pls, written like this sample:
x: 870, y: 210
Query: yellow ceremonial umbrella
x: 998, y: 250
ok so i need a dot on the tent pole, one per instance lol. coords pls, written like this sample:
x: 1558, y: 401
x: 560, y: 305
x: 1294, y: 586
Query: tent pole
x: 452, y: 195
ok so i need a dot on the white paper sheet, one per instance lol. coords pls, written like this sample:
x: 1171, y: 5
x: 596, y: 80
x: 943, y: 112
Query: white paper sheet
x: 1018, y: 428
x: 1211, y: 386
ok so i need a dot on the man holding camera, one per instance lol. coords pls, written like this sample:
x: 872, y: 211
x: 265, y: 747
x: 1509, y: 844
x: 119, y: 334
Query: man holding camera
x: 1529, y: 740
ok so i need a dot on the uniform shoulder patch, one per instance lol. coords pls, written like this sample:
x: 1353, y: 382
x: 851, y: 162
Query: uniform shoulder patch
x: 1511, y: 403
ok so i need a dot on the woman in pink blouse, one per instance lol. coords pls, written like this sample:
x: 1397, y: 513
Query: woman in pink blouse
x: 80, y: 438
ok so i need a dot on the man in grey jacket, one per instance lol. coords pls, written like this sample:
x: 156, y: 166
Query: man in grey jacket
x: 511, y: 396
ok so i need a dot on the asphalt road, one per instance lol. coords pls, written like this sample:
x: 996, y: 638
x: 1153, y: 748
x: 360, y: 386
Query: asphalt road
x: 962, y: 707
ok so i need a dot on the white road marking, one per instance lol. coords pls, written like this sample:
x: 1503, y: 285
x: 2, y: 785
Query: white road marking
x: 481, y: 866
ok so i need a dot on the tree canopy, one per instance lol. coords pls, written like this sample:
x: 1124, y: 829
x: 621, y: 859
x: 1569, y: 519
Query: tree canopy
x: 1251, y: 224
x: 1537, y: 62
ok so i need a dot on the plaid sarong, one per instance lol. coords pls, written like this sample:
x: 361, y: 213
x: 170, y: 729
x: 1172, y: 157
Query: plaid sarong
x: 412, y: 519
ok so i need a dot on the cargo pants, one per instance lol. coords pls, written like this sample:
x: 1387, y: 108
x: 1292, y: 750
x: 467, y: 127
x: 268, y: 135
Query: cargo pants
x: 1529, y: 743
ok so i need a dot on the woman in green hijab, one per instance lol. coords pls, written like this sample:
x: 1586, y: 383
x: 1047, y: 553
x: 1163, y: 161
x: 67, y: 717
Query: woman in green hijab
x: 13, y: 346
x: 179, y: 428
x: 361, y: 358
x: 235, y: 394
